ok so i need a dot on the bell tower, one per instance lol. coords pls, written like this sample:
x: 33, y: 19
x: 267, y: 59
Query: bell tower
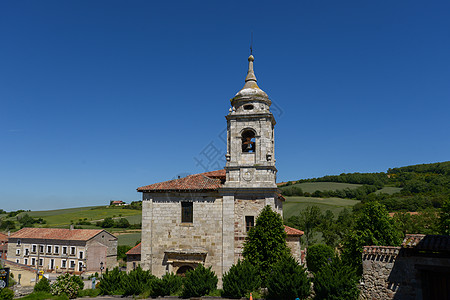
x: 250, y: 161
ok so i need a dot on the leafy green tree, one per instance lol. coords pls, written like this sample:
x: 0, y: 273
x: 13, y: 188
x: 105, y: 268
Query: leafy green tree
x: 317, y: 256
x: 137, y: 282
x: 26, y: 221
x: 112, y: 282
x: 373, y: 226
x: 241, y: 279
x: 122, y: 223
x: 6, y: 294
x: 122, y: 252
x: 336, y: 281
x: 199, y: 282
x: 310, y: 219
x: 288, y: 280
x: 107, y: 223
x: 265, y: 243
x: 43, y: 285
x: 68, y: 285
x: 169, y: 284
x: 444, y: 220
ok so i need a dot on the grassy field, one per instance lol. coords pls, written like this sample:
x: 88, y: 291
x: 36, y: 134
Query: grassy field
x: 129, y: 239
x: 294, y: 205
x: 389, y: 190
x: 62, y: 217
x: 311, y: 187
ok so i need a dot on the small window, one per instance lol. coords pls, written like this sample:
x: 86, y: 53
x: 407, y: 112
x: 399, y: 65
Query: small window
x: 187, y: 212
x: 64, y: 250
x: 248, y: 141
x: 18, y: 242
x: 25, y: 261
x: 49, y: 249
x: 249, y: 222
x: 18, y: 261
x: 41, y: 262
x: 248, y: 107
x: 33, y: 261
x: 72, y: 264
x: 72, y: 250
x: 41, y: 249
x: 33, y: 248
x: 17, y: 251
x: 63, y: 264
x: 81, y: 254
x: 27, y: 252
x: 56, y: 249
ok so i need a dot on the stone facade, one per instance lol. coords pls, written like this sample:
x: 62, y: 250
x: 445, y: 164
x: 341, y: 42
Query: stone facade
x: 204, y: 218
x: 63, y: 250
x: 417, y: 270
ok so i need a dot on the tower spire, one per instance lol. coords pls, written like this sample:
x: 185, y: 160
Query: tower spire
x: 250, y: 79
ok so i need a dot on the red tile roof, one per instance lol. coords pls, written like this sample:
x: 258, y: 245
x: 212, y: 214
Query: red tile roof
x: 422, y: 242
x: 136, y: 250
x: 56, y: 234
x: 292, y: 231
x: 381, y: 250
x: 3, y: 237
x: 197, y: 182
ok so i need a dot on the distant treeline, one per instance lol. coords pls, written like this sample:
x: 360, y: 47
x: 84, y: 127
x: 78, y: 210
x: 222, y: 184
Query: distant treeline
x: 422, y: 186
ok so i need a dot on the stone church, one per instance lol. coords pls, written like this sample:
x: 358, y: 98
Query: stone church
x: 204, y: 218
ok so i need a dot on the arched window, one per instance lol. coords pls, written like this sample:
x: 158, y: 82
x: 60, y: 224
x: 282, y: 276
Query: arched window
x: 248, y: 141
x: 183, y: 269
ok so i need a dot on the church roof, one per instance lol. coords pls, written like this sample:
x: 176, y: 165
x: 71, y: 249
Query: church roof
x: 292, y: 231
x: 198, y: 182
x: 136, y: 250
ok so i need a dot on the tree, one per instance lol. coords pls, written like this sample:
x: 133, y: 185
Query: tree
x: 310, y: 219
x: 288, y: 280
x: 265, y: 243
x: 199, y: 282
x: 317, y: 256
x: 241, y: 279
x: 122, y: 252
x: 336, y: 281
x: 444, y: 220
x: 107, y: 223
x: 373, y: 226
x: 122, y: 223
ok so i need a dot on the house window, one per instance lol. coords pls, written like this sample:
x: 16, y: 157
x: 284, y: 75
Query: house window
x: 81, y: 254
x: 56, y: 249
x: 27, y: 252
x: 187, y: 212
x: 249, y: 222
x: 33, y: 248
x: 72, y: 264
x: 248, y: 141
x: 18, y: 242
x: 33, y: 261
x: 41, y: 248
x: 25, y: 261
x: 18, y: 261
x: 63, y: 264
x: 49, y: 249
x: 72, y: 250
x: 41, y: 262
x: 17, y: 251
x: 64, y: 250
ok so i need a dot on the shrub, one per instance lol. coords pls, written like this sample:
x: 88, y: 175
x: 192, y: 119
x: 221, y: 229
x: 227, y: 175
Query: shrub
x: 137, y: 282
x: 92, y: 293
x: 199, y: 282
x: 6, y: 294
x: 336, y: 281
x: 241, y: 279
x: 43, y: 285
x: 111, y: 282
x: 169, y: 284
x: 67, y: 284
x: 288, y: 280
x: 317, y: 256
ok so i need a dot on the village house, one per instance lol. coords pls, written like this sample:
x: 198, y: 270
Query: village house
x: 204, y: 218
x: 63, y: 250
x: 3, y: 245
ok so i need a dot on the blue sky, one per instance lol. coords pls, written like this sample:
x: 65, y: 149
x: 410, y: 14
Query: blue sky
x: 100, y: 97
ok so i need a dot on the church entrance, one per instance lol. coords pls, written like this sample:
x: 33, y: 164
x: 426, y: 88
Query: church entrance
x: 183, y: 270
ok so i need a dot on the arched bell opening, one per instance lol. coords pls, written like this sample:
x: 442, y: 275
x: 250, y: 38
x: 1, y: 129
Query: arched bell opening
x: 248, y: 141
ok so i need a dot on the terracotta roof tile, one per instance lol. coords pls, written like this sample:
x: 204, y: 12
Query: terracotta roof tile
x: 136, y: 250
x: 292, y: 231
x: 56, y: 234
x: 221, y: 174
x: 381, y: 250
x: 3, y: 237
x: 197, y: 182
x: 427, y: 242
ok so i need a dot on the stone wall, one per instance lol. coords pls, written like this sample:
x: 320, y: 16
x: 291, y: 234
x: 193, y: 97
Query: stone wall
x: 162, y: 230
